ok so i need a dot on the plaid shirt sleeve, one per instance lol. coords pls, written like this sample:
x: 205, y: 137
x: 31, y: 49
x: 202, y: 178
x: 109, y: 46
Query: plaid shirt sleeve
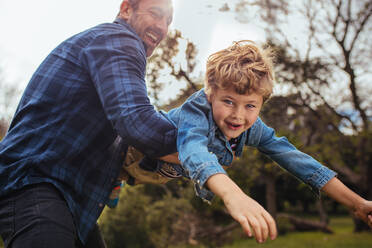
x: 117, y: 67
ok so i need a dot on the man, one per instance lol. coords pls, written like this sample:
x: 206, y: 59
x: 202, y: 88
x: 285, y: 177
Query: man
x: 81, y: 109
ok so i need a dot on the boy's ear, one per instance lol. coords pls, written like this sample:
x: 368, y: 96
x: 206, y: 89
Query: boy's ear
x: 209, y: 97
x: 126, y: 10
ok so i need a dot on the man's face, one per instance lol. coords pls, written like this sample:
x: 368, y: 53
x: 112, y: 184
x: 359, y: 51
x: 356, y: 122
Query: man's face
x: 234, y: 113
x: 151, y: 20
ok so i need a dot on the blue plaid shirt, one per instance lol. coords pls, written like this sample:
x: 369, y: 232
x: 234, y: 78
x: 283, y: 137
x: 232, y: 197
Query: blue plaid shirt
x: 85, y: 103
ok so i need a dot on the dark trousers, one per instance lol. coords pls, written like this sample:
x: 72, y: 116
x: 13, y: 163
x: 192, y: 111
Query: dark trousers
x: 38, y: 216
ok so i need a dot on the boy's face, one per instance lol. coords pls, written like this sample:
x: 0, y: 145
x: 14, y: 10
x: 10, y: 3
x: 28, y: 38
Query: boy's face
x: 234, y: 113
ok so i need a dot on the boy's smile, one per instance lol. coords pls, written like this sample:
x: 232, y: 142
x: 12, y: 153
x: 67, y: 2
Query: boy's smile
x: 234, y: 113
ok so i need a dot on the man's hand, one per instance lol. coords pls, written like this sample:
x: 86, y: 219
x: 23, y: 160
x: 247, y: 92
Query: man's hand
x: 253, y: 218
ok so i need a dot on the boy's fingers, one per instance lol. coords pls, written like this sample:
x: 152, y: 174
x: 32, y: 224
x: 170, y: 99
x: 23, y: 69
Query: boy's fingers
x: 271, y: 225
x: 370, y: 220
x: 255, y: 224
x: 245, y: 225
x: 264, y: 228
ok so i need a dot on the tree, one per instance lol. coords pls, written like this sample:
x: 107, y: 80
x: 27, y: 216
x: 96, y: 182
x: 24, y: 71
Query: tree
x: 8, y: 96
x: 327, y: 66
x: 164, y: 65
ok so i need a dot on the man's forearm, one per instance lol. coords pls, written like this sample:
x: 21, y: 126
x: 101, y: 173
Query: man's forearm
x: 171, y: 158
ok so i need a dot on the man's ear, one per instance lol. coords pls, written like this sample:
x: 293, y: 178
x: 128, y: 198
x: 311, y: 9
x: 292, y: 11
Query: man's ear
x: 126, y: 10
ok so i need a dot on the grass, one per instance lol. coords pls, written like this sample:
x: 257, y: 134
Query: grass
x: 343, y: 237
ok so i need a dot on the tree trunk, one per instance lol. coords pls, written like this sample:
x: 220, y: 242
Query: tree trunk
x: 360, y: 226
x: 271, y: 195
x: 322, y: 213
x: 365, y: 185
x: 304, y: 225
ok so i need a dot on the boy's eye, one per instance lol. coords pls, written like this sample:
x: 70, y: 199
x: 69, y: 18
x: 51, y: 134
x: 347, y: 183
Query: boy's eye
x: 250, y: 106
x: 228, y: 102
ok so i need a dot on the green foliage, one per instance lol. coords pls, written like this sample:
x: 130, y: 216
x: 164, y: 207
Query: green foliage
x: 147, y: 216
x: 343, y: 237
x: 123, y: 227
x: 283, y: 225
x: 309, y: 115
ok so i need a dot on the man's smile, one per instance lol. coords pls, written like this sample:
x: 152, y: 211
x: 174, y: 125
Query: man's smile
x: 153, y: 36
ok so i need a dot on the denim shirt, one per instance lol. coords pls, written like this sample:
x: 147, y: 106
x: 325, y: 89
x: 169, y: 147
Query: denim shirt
x: 203, y: 148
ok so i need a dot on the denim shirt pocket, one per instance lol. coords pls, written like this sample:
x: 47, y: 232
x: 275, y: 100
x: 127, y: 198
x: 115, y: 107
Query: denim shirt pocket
x: 218, y: 148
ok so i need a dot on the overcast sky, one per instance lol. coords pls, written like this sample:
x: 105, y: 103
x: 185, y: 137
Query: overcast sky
x: 31, y: 29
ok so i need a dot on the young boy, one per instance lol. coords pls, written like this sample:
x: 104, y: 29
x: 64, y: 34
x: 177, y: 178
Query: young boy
x: 215, y: 123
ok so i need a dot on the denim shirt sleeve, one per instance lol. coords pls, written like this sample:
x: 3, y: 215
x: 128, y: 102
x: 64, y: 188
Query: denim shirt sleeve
x: 192, y: 140
x: 116, y: 62
x: 279, y: 149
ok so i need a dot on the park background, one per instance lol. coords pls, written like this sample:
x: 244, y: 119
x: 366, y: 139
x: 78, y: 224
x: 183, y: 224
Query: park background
x: 322, y: 104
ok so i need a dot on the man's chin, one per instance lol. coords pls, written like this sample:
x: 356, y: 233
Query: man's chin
x: 149, y: 51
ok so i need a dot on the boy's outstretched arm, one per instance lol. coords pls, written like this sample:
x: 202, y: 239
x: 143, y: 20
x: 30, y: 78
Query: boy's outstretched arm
x: 360, y: 207
x: 245, y: 210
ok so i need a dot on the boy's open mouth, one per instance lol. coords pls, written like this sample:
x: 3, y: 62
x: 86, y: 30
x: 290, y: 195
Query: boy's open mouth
x: 233, y: 126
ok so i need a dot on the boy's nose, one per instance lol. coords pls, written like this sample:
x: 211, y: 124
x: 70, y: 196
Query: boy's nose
x: 238, y: 113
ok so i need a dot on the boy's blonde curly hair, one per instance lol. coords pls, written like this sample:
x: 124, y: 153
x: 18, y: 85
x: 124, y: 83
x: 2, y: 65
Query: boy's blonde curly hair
x: 245, y: 66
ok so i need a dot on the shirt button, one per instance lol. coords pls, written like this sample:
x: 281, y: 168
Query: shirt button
x: 100, y: 205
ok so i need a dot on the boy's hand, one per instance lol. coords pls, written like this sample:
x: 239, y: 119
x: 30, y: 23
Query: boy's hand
x: 360, y: 207
x: 253, y: 218
x: 364, y: 212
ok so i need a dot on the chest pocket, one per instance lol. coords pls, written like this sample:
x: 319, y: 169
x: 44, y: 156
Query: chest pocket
x: 218, y: 148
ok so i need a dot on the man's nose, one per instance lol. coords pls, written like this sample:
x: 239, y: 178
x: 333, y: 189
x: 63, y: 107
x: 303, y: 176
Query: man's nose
x: 162, y: 24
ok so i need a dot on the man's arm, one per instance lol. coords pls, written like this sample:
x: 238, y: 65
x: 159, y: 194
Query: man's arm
x: 245, y: 210
x: 171, y: 158
x: 360, y: 207
x: 116, y: 62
